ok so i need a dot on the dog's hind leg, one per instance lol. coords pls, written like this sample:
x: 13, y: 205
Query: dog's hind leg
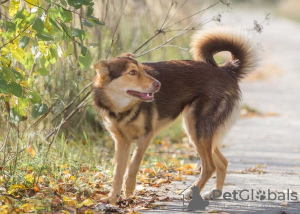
x: 122, y: 152
x: 221, y: 167
x: 134, y: 165
x: 203, y: 143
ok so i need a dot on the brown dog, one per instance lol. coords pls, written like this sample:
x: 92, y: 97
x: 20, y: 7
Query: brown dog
x: 207, y: 96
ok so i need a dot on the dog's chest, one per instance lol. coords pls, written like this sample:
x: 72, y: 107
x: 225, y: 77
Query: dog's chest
x: 131, y: 127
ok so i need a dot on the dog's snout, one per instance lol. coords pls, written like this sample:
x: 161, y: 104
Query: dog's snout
x: 156, y: 84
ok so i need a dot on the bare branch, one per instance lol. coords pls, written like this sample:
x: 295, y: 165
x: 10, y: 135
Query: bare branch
x: 197, y: 13
x: 117, y: 26
x: 4, y: 2
x: 71, y: 103
x: 163, y: 24
x: 181, y: 6
x: 78, y: 107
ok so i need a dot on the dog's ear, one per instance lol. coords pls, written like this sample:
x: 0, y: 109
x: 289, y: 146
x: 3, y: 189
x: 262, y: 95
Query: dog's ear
x: 101, y: 67
x: 129, y: 55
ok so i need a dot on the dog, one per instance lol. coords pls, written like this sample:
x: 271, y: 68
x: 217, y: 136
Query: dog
x: 136, y: 100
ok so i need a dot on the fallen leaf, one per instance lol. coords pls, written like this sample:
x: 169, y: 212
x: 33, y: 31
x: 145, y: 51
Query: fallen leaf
x: 31, y: 151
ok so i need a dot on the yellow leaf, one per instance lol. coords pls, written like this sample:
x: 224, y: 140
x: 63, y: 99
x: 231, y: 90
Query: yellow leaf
x: 32, y: 3
x: 4, y: 209
x: 89, y: 212
x: 27, y: 207
x: 31, y: 151
x: 17, y: 52
x: 43, y: 48
x: 14, y: 7
x: 69, y: 201
x: 159, y: 165
x: 161, y: 180
x: 14, y: 188
x: 88, y: 202
x: 47, y: 24
x: 5, y: 61
x: 29, y: 178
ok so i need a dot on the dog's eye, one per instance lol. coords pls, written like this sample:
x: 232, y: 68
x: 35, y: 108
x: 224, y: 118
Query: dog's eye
x: 133, y: 72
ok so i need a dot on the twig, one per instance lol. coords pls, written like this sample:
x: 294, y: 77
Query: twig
x: 161, y: 45
x: 163, y: 24
x: 40, y: 119
x: 71, y: 103
x: 117, y: 26
x: 15, y: 37
x: 4, y: 2
x: 185, y: 30
x: 68, y: 34
x: 79, y: 106
x: 17, y: 153
x: 181, y: 6
x: 197, y: 13
x: 148, y: 40
x: 4, y: 144
x: 5, y: 16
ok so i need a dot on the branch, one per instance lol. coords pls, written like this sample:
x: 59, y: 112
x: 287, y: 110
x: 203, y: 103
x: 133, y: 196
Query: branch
x: 71, y: 37
x: 197, y: 13
x: 184, y: 31
x: 181, y: 6
x: 71, y: 103
x: 4, y: 144
x: 15, y: 37
x: 79, y: 106
x: 113, y: 39
x: 4, y: 2
x: 163, y: 24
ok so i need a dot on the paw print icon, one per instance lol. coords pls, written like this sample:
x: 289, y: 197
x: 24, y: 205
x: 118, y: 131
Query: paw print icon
x: 260, y: 195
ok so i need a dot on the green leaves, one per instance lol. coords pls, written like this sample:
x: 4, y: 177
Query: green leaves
x: 34, y: 97
x: 24, y: 41
x: 39, y: 109
x: 35, y: 37
x: 3, y: 87
x: 17, y: 115
x: 42, y: 71
x: 44, y: 37
x: 79, y: 33
x: 38, y: 25
x: 85, y: 61
x: 78, y: 3
x: 16, y: 89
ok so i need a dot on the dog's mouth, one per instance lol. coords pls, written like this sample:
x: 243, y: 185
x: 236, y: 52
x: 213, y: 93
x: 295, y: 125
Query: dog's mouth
x: 142, y: 96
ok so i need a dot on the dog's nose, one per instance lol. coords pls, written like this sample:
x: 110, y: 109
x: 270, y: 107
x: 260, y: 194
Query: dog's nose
x: 156, y: 84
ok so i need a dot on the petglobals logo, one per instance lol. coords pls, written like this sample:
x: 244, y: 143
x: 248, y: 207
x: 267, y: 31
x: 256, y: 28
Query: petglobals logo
x: 246, y: 195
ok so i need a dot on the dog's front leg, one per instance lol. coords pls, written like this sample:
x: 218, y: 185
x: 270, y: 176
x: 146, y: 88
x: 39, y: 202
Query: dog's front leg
x: 134, y: 165
x: 122, y: 151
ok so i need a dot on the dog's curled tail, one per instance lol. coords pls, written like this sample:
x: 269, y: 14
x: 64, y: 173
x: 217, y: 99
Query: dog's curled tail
x: 206, y: 43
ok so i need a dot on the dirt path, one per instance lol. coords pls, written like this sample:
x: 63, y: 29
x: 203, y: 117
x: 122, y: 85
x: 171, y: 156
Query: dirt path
x: 268, y: 146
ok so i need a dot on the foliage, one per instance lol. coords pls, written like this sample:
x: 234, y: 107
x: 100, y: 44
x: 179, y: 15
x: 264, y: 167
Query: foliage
x: 38, y: 33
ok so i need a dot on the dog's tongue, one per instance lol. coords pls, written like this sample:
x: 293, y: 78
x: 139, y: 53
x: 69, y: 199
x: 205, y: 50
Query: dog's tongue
x: 148, y: 96
x: 144, y: 96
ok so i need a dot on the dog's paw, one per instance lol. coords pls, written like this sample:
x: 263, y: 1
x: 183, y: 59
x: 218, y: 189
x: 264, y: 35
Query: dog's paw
x: 129, y: 187
x: 208, y: 195
x: 109, y: 199
x: 188, y: 194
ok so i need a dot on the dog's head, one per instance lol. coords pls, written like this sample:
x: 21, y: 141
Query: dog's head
x: 126, y: 77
